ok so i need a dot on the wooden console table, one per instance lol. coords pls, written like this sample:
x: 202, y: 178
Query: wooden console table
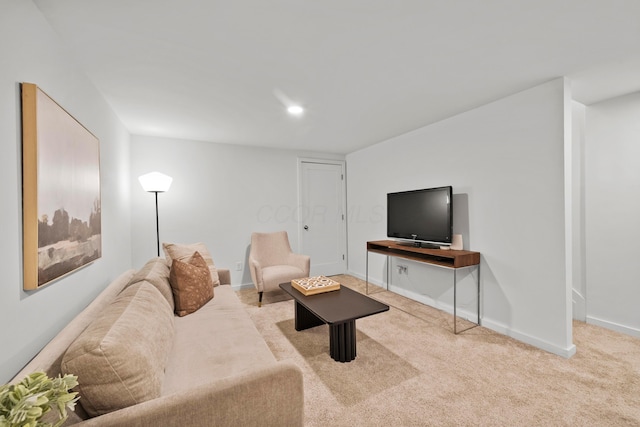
x: 450, y: 259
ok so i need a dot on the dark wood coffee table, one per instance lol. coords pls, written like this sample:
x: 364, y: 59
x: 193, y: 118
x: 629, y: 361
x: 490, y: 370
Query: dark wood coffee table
x: 339, y: 309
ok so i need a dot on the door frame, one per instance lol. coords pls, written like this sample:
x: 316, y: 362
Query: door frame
x: 299, y: 219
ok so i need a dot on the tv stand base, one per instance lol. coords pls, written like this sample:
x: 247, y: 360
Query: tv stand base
x: 428, y: 246
x: 450, y: 259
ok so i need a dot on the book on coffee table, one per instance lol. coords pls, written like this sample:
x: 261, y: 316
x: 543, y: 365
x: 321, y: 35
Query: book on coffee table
x: 315, y: 285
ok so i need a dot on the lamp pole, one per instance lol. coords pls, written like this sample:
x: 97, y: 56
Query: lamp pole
x: 156, y: 182
x: 157, y: 224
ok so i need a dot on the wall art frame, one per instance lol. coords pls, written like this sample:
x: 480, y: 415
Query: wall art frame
x: 61, y: 199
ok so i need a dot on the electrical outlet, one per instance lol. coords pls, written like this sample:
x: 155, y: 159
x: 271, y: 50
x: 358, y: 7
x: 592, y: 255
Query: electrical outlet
x: 403, y: 269
x: 239, y: 266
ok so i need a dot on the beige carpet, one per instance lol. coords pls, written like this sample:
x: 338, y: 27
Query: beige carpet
x: 411, y: 370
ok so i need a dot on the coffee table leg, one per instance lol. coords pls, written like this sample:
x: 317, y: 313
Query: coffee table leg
x: 305, y: 319
x: 342, y: 341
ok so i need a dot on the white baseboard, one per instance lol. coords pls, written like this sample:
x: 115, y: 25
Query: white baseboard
x: 361, y: 277
x: 528, y: 339
x: 628, y: 330
x: 242, y: 286
x: 488, y: 323
x: 471, y: 316
x: 372, y: 281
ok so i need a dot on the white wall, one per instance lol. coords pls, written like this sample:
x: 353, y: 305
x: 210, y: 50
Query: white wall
x: 31, y: 53
x: 505, y: 161
x: 612, y: 212
x: 579, y: 286
x: 220, y: 194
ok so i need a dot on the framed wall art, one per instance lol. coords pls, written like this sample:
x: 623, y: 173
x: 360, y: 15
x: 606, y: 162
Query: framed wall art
x: 60, y: 189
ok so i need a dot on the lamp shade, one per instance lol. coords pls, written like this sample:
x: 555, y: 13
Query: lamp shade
x: 155, y: 182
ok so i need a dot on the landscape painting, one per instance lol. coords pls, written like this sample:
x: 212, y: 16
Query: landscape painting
x: 61, y: 191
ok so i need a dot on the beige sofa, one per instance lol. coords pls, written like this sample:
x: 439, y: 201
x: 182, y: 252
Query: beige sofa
x: 139, y: 366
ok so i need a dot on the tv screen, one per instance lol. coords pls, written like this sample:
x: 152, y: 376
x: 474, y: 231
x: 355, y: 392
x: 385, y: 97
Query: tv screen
x: 421, y: 215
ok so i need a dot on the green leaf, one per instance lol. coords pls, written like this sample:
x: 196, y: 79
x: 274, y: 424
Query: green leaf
x: 23, y: 404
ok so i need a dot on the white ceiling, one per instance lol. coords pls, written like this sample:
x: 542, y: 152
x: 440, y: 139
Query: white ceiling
x: 365, y: 70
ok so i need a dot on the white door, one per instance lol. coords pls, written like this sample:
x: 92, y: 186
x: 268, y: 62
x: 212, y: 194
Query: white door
x: 322, y: 216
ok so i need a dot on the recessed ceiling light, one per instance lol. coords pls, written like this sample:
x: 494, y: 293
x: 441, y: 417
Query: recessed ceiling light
x: 295, y: 110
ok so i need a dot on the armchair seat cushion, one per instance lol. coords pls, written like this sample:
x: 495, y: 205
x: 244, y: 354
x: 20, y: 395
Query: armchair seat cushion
x: 276, y: 274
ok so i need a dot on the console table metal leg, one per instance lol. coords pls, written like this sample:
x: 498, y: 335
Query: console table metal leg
x: 388, y: 280
x: 478, y: 294
x: 366, y: 277
x: 455, y: 317
x: 367, y: 274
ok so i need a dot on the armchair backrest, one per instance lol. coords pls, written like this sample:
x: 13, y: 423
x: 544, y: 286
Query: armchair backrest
x: 270, y: 248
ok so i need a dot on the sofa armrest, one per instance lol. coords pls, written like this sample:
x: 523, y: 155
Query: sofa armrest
x: 224, y: 275
x: 263, y: 397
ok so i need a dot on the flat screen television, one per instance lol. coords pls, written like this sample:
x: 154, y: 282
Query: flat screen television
x: 421, y: 217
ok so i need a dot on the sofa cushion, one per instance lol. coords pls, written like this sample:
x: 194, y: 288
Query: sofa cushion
x: 183, y: 252
x: 191, y: 284
x: 218, y: 341
x: 156, y: 272
x: 120, y: 357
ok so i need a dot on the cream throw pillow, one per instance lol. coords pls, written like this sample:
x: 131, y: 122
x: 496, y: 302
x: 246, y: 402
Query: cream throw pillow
x: 191, y: 284
x: 184, y: 252
x: 120, y: 358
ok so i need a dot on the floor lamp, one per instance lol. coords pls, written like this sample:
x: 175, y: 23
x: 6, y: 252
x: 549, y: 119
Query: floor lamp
x: 156, y: 182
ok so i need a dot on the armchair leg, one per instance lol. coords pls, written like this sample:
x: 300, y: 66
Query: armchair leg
x: 259, y: 299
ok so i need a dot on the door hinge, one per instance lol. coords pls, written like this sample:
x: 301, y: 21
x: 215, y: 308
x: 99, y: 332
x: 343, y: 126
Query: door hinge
x: 343, y: 217
x: 342, y: 176
x: 343, y: 257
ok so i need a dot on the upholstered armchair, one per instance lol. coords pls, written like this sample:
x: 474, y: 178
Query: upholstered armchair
x: 271, y: 262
